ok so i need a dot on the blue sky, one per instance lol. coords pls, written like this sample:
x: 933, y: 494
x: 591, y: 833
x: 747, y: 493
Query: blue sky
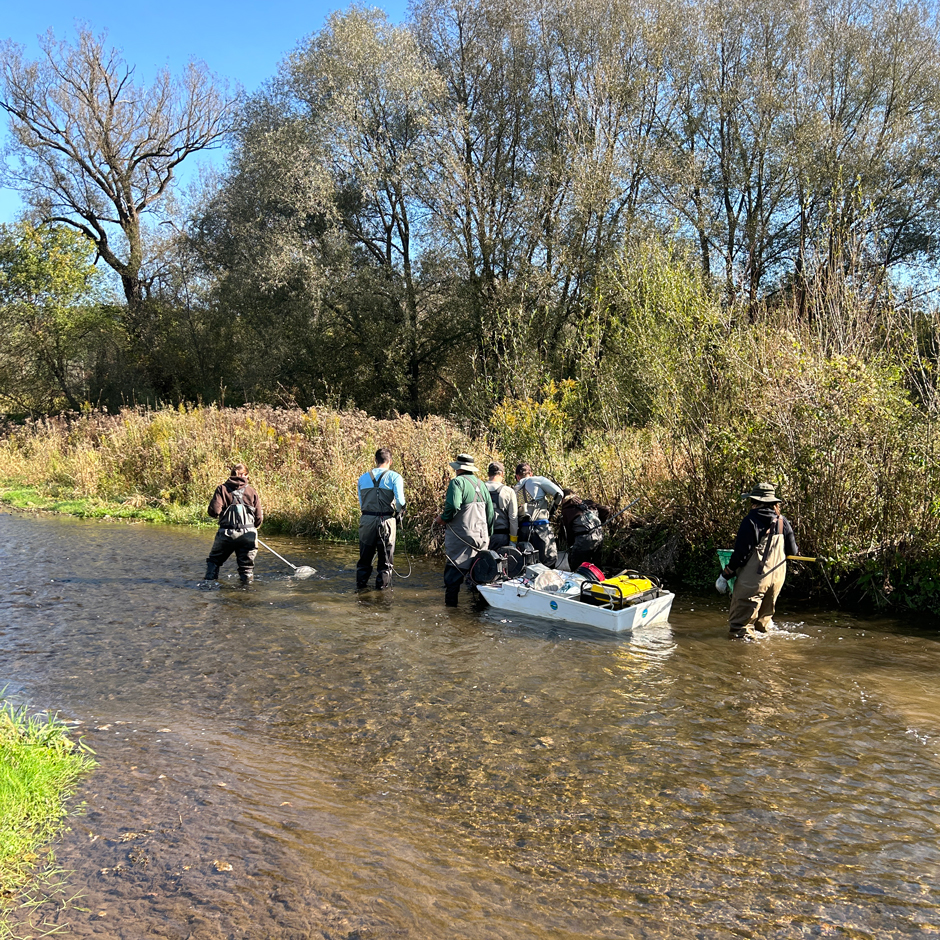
x: 240, y: 41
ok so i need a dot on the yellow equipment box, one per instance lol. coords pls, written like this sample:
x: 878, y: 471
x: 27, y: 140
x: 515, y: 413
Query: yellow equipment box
x: 620, y: 590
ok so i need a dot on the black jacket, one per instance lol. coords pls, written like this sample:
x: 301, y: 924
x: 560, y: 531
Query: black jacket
x: 753, y: 528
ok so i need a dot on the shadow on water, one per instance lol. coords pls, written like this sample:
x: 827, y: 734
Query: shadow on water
x: 294, y: 759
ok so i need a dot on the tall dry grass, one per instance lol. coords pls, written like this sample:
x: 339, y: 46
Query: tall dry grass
x: 305, y: 464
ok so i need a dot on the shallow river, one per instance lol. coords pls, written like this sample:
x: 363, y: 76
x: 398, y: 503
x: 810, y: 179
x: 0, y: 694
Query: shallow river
x: 291, y: 760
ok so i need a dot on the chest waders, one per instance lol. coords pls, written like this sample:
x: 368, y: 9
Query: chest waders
x: 467, y: 533
x: 537, y: 530
x: 758, y: 584
x: 502, y: 522
x: 587, y: 531
x: 377, y: 532
x: 236, y: 533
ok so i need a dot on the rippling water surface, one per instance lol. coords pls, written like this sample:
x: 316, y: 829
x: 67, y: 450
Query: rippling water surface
x: 293, y: 760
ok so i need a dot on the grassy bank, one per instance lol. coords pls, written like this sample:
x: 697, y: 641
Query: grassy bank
x: 40, y: 766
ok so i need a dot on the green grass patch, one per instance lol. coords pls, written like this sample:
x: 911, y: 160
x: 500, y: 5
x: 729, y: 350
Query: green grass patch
x: 39, y: 499
x: 40, y: 766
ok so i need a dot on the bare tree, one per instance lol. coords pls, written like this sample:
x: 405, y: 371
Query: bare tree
x: 94, y: 149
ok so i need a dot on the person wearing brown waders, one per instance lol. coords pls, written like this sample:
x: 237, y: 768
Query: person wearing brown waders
x: 468, y: 515
x: 237, y: 506
x: 381, y: 502
x: 759, y: 562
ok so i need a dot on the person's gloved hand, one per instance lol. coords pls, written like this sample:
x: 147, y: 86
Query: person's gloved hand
x: 721, y: 585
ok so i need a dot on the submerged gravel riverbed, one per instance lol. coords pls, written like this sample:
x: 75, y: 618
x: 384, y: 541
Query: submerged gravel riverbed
x: 294, y: 760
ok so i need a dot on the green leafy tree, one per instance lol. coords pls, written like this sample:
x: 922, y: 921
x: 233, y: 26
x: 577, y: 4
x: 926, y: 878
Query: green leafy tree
x: 49, y: 311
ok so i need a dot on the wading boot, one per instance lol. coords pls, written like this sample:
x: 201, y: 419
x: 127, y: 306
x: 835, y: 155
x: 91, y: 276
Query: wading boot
x: 212, y: 572
x: 742, y: 633
x: 246, y: 577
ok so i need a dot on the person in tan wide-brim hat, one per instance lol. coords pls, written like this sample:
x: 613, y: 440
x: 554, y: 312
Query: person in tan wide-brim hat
x: 759, y: 562
x: 463, y: 464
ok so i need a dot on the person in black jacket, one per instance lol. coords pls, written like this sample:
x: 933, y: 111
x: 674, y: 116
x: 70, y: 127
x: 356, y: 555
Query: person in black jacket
x: 582, y: 521
x: 759, y: 562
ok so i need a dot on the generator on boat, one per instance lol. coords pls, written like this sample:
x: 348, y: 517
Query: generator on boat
x: 501, y: 564
x: 624, y: 590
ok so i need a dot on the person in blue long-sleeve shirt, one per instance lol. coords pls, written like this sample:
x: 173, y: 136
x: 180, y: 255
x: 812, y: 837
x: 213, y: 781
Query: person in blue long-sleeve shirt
x: 381, y: 502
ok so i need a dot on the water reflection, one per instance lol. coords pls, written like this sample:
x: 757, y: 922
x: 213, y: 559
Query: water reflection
x: 380, y: 765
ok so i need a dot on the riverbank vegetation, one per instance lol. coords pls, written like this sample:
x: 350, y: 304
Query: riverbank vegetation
x: 40, y: 766
x: 850, y: 447
x: 658, y: 250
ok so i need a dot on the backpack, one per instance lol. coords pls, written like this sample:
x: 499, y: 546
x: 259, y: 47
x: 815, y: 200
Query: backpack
x: 588, y: 533
x: 237, y: 515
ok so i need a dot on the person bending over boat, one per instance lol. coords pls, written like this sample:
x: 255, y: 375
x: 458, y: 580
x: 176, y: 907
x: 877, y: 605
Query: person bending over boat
x: 582, y: 521
x: 237, y: 506
x: 505, y: 508
x: 468, y: 517
x: 381, y: 502
x: 538, y: 498
x: 759, y: 562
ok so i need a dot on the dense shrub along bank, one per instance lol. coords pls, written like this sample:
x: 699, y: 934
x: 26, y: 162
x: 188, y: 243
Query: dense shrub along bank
x: 165, y: 464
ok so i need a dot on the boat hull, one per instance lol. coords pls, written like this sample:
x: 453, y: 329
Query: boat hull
x: 517, y: 598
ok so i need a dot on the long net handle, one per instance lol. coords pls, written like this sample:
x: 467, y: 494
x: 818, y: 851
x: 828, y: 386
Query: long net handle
x: 271, y: 550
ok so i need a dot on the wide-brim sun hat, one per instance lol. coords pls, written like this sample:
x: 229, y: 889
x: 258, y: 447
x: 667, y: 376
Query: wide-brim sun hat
x: 762, y: 493
x: 463, y: 462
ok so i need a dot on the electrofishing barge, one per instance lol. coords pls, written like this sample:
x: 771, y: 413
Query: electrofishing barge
x: 606, y: 605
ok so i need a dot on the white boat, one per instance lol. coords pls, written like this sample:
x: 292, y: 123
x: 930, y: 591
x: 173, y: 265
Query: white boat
x: 518, y: 595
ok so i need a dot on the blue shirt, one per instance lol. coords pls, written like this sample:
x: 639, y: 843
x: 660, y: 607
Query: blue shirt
x: 390, y: 481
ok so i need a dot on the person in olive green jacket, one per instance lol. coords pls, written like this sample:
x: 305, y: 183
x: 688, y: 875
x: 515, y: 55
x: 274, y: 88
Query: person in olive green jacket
x: 468, y: 516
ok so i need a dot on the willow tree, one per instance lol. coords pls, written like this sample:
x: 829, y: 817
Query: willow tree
x: 95, y: 149
x: 363, y: 90
x: 869, y: 187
